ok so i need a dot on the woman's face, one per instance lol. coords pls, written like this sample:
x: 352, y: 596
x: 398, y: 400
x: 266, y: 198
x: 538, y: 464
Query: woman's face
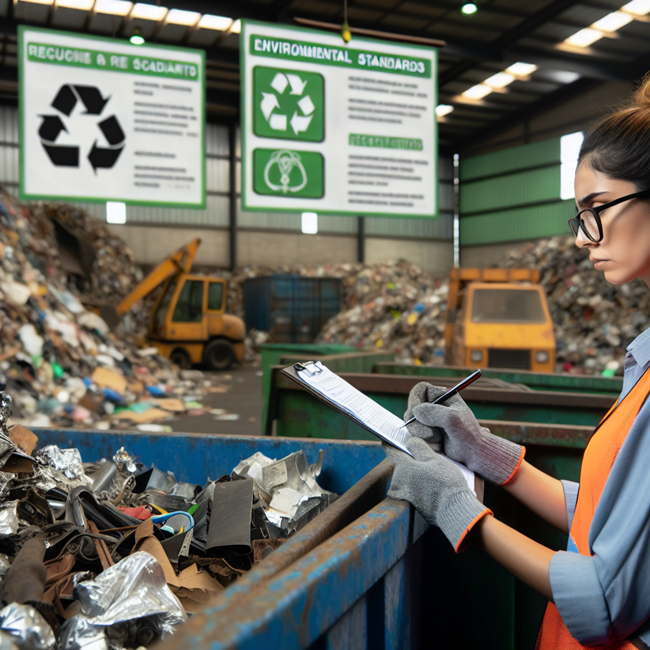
x: 624, y: 252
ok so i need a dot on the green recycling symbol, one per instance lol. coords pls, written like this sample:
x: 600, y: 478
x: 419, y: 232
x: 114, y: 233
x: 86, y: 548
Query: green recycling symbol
x: 289, y: 104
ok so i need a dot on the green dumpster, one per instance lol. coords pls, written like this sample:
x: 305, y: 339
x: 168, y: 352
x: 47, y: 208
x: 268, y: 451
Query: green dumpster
x: 299, y: 414
x: 272, y: 353
x: 536, y: 380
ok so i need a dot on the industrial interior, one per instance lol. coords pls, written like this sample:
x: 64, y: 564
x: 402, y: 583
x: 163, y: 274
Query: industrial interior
x: 235, y: 238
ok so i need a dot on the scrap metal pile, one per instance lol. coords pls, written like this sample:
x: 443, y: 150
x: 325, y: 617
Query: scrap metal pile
x: 112, y: 554
x: 62, y: 364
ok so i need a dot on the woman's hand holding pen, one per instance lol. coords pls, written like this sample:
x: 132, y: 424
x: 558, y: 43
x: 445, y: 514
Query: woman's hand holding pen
x: 464, y: 440
x: 424, y: 393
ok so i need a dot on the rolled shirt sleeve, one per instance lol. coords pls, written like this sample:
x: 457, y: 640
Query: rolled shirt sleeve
x: 605, y: 596
x: 570, y: 498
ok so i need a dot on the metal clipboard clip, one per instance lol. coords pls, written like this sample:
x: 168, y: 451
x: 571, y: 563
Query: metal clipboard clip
x: 309, y: 366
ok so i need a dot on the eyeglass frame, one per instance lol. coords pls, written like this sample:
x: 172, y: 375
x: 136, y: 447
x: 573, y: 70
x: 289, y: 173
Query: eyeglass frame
x: 579, y: 222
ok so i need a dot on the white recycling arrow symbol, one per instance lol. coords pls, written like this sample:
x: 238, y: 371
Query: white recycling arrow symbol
x: 297, y: 84
x: 299, y: 123
x: 270, y: 104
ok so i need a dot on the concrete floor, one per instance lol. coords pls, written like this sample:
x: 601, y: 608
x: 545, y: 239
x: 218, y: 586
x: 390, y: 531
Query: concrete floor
x: 243, y: 397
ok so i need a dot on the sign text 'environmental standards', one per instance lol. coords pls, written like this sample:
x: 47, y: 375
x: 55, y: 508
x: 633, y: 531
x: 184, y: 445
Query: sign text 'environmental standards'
x: 352, y: 58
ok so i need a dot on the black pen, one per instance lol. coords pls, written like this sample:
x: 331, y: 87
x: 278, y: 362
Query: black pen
x: 452, y: 391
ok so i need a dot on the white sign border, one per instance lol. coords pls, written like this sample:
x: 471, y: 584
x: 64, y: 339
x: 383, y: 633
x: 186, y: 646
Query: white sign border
x: 21, y: 122
x: 246, y: 109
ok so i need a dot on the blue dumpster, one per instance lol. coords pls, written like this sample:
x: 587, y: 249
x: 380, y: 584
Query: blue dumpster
x: 291, y: 308
x: 368, y: 572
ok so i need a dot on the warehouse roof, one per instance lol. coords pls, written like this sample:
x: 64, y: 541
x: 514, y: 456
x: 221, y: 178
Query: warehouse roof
x: 568, y: 46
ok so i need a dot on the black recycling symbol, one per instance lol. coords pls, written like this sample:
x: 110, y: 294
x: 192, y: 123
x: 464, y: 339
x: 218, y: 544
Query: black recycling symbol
x: 52, y: 125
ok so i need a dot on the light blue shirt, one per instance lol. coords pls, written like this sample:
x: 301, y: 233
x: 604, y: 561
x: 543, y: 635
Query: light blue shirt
x: 606, y: 596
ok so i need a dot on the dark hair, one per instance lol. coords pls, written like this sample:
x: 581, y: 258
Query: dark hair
x: 618, y: 145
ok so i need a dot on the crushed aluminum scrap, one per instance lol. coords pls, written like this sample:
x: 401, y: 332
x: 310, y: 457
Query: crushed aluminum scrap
x: 112, y: 554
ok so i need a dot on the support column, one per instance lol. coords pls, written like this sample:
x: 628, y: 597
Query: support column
x: 361, y: 240
x: 456, y: 210
x: 232, y: 138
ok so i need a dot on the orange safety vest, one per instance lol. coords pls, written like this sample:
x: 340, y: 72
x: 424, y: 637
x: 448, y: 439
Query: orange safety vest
x: 597, y: 463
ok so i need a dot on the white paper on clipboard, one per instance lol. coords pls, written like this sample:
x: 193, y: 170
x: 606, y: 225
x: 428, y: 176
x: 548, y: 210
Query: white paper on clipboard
x: 362, y: 408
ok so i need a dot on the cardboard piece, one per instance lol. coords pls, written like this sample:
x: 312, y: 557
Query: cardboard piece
x: 192, y: 586
x: 91, y: 402
x: 136, y: 387
x: 10, y: 352
x: 170, y: 404
x: 218, y: 389
x: 24, y: 438
x: 198, y: 588
x: 107, y: 378
x: 151, y: 415
x: 18, y: 465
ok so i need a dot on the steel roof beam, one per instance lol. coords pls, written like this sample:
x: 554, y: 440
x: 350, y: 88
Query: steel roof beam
x: 515, y: 118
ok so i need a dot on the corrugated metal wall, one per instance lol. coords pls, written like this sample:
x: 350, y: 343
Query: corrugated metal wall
x: 512, y: 195
x: 216, y: 214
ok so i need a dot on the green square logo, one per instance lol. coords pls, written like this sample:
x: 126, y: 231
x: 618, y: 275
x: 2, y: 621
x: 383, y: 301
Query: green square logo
x: 289, y: 104
x: 282, y: 172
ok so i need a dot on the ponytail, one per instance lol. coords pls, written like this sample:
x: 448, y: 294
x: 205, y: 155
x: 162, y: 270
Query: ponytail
x: 619, y: 144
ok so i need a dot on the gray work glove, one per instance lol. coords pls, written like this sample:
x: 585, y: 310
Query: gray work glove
x: 424, y: 392
x: 436, y: 488
x: 467, y: 442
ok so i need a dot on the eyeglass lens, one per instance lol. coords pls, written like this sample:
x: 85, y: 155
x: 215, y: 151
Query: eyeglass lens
x: 590, y: 224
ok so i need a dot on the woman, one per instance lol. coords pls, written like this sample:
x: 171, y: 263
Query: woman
x: 599, y: 589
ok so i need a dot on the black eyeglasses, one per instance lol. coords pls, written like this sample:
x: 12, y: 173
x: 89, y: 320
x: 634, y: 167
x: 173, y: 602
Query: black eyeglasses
x: 589, y: 219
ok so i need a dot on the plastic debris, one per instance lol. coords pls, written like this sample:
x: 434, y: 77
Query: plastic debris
x: 62, y: 274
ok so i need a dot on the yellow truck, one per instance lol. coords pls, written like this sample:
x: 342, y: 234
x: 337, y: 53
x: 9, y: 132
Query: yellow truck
x: 499, y: 318
x: 189, y: 323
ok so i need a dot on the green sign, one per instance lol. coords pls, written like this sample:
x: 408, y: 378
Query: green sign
x: 291, y: 50
x: 289, y: 104
x: 337, y: 128
x: 288, y: 173
x: 104, y: 120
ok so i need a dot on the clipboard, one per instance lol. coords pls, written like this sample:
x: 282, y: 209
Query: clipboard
x: 394, y: 436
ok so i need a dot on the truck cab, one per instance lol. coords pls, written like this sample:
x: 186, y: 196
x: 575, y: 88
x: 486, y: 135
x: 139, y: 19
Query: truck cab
x: 190, y: 325
x: 500, y: 319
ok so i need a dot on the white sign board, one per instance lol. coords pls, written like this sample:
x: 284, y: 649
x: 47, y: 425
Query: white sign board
x: 336, y: 128
x: 104, y: 120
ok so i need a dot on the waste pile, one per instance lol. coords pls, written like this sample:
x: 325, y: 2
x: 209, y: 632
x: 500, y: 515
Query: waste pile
x: 393, y: 305
x: 113, y: 554
x: 594, y: 320
x: 398, y: 308
x: 57, y: 355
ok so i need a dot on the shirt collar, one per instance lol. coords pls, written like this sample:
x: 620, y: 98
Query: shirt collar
x: 640, y: 349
